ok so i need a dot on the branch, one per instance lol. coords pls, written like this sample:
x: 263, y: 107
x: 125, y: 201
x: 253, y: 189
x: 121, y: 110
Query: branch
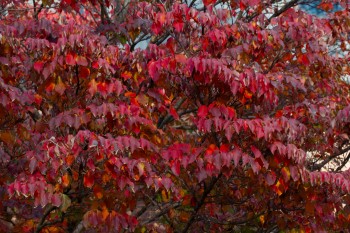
x: 79, y: 227
x: 256, y: 13
x: 163, y: 121
x: 275, y: 60
x: 42, y: 222
x: 141, y: 38
x: 162, y: 212
x: 104, y: 12
x: 283, y: 9
x: 206, y: 192
x: 328, y: 159
x: 346, y: 160
x: 192, y: 3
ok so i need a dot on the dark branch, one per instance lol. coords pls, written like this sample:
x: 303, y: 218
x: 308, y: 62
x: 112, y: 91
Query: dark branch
x: 42, y: 222
x: 329, y: 158
x: 284, y: 8
x: 206, y: 192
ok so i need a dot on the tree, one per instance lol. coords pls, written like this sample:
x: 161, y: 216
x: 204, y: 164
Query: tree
x: 233, y: 117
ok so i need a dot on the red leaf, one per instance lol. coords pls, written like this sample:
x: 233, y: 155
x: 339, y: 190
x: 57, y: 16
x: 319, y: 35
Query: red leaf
x: 242, y: 6
x: 153, y: 70
x: 211, y: 149
x: 208, y: 2
x: 303, y: 59
x: 95, y: 65
x: 202, y: 111
x: 224, y: 148
x: 84, y: 72
x: 209, y: 168
x: 178, y: 25
x: 173, y: 113
x: 70, y: 59
x: 156, y: 28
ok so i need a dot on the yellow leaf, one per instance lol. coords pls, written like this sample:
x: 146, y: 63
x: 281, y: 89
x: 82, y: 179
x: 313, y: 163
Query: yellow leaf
x: 262, y: 219
x: 286, y: 173
x: 66, y: 202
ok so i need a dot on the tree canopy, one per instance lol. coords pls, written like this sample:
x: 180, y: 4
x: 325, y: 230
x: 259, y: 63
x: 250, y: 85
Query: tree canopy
x: 174, y: 116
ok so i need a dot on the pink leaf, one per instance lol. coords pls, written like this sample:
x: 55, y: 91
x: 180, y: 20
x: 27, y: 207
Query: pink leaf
x: 153, y: 70
x: 38, y: 66
x: 166, y: 182
x: 236, y: 156
x: 270, y: 178
x: 175, y: 168
x: 256, y: 152
x: 82, y: 61
x: 56, y: 200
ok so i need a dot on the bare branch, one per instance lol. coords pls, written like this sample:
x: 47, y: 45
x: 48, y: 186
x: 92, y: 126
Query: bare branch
x: 284, y: 8
x: 328, y: 159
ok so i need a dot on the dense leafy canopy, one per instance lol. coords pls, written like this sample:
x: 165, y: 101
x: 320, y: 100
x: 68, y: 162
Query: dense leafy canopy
x: 174, y: 116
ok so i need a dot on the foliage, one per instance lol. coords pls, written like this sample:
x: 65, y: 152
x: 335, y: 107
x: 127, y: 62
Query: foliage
x: 173, y: 116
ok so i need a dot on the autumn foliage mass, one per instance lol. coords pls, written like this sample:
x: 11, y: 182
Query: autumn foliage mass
x: 174, y: 116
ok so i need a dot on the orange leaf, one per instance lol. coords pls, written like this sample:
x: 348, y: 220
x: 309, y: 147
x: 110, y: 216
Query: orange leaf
x: 286, y: 173
x: 50, y: 87
x: 130, y: 94
x: 92, y: 87
x: 38, y: 99
x: 82, y: 61
x: 126, y: 75
x: 326, y: 6
x: 248, y: 94
x: 98, y: 192
x: 65, y: 180
x: 70, y: 159
x: 161, y: 18
x: 303, y: 59
x: 60, y: 87
x: 89, y: 179
x: 7, y: 137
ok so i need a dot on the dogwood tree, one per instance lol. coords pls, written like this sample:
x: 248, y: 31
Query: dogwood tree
x: 174, y: 116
